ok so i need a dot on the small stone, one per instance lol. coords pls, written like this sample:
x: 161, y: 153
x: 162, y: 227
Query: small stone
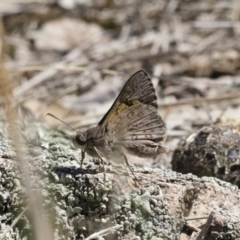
x: 69, y: 211
x: 77, y: 210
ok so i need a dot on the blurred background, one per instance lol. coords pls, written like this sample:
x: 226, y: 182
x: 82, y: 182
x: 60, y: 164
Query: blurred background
x: 72, y: 57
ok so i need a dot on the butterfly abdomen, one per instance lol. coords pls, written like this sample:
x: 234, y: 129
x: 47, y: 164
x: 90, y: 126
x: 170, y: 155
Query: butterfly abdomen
x: 144, y: 149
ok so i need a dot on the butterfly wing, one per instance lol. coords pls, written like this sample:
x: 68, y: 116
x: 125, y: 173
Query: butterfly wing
x: 139, y: 129
x: 137, y: 90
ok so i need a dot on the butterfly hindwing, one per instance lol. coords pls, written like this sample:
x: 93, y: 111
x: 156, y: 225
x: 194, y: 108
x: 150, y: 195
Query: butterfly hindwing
x: 138, y: 129
x: 139, y: 122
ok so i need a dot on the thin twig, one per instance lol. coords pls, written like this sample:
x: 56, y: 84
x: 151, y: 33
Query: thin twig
x: 42, y: 68
x: 18, y: 217
x: 192, y: 101
x: 14, y: 222
x: 103, y: 232
x: 60, y: 68
x: 196, y: 218
x: 217, y: 24
x: 192, y: 227
x: 43, y: 76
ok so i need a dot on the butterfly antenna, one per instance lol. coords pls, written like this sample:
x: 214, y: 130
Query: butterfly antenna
x: 53, y: 116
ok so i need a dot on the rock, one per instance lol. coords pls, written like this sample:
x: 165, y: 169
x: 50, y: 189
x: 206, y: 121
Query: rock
x: 211, y: 151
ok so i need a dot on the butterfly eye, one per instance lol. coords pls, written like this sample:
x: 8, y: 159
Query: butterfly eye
x: 80, y: 140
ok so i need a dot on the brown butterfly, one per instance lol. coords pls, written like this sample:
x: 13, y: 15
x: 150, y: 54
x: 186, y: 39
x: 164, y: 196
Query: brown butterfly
x: 131, y: 126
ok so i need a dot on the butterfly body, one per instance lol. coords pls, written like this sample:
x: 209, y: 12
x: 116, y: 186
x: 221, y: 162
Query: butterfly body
x: 132, y: 125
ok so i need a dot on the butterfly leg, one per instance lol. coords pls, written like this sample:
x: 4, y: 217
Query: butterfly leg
x: 102, y: 161
x: 127, y: 163
x: 82, y: 157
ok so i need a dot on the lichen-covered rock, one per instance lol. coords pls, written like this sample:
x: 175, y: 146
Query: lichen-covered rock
x: 80, y: 202
x: 211, y: 151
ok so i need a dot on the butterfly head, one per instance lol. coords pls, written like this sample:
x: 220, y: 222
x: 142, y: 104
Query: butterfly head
x: 79, y: 140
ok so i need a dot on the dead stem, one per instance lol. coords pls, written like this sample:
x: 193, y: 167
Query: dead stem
x: 41, y: 226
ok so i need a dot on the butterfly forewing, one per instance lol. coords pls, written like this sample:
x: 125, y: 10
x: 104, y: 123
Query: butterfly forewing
x: 138, y: 89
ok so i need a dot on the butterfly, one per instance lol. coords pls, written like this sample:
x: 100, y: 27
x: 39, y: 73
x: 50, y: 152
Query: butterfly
x: 132, y: 126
